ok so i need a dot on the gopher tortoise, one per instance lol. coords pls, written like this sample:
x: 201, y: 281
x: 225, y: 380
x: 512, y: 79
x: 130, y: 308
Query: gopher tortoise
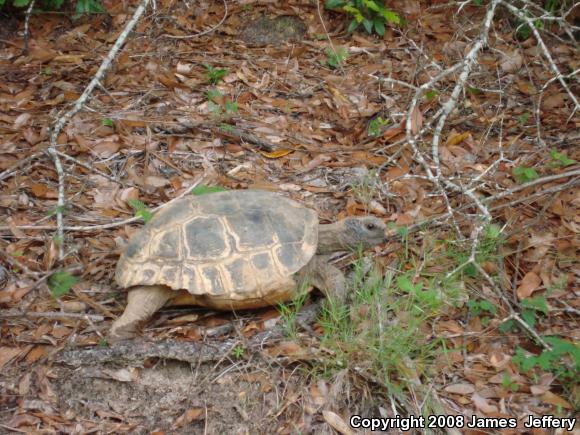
x: 233, y: 250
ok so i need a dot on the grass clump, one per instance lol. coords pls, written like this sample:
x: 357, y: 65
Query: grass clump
x: 384, y: 332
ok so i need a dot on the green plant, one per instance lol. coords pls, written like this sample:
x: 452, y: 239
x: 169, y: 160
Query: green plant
x: 563, y: 360
x: 219, y: 105
x: 431, y: 94
x: 483, y: 309
x: 382, y: 329
x: 559, y: 159
x: 238, y: 352
x: 140, y: 209
x: 481, y: 306
x: 365, y: 188
x: 289, y: 311
x: 532, y: 306
x: 107, y: 122
x: 474, y: 91
x: 60, y: 283
x: 202, y: 189
x: 335, y: 58
x: 523, y: 174
x: 486, y: 250
x: 508, y: 383
x: 214, y: 75
x: 524, y: 31
x: 81, y: 6
x: 376, y: 126
x: 523, y: 118
x: 372, y: 14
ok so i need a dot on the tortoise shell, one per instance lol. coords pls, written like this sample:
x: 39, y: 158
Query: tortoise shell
x: 232, y: 246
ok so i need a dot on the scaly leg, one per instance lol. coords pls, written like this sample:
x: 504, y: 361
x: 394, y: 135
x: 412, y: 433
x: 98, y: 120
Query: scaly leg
x: 142, y: 303
x: 325, y: 277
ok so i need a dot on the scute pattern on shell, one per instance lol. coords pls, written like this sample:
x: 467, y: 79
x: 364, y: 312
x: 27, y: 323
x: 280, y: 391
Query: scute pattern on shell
x: 237, y: 244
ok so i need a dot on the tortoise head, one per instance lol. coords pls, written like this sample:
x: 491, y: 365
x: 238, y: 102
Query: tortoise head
x: 365, y: 232
x: 351, y: 233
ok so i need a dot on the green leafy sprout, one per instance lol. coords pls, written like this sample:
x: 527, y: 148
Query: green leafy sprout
x: 202, y: 189
x: 60, y: 283
x: 336, y: 58
x: 140, y: 209
x: 214, y: 75
x: 82, y: 6
x: 371, y: 14
x: 523, y: 174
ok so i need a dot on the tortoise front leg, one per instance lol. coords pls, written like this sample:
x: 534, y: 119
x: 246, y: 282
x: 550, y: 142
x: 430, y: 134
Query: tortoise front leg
x: 325, y: 277
x: 142, y: 303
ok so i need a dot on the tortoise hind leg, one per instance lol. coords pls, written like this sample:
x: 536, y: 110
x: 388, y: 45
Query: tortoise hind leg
x: 142, y: 303
x: 325, y: 277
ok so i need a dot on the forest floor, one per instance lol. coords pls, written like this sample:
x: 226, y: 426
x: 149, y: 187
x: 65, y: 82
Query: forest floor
x: 455, y: 127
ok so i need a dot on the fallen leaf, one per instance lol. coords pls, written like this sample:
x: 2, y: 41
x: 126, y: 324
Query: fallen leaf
x: 337, y: 423
x: 462, y: 389
x: 512, y: 62
x: 123, y: 375
x: 555, y: 400
x: 36, y: 353
x: 554, y: 101
x: 288, y: 348
x: 416, y: 120
x: 457, y: 138
x: 155, y: 181
x: 42, y: 191
x: 105, y: 148
x: 276, y: 154
x: 529, y: 284
x: 188, y: 416
x: 482, y: 405
x: 7, y: 354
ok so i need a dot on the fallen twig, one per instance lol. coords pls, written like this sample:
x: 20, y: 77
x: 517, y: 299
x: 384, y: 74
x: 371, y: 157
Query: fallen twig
x: 9, y: 314
x: 136, y: 351
x: 62, y: 120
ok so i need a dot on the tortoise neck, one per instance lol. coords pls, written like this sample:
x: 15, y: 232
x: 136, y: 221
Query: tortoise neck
x: 331, y: 238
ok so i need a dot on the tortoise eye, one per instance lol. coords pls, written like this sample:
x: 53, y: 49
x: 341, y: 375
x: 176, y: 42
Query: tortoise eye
x: 371, y: 227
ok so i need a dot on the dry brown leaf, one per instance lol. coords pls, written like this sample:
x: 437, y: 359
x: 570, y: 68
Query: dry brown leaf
x: 69, y: 58
x: 337, y: 423
x: 554, y: 101
x: 8, y: 353
x: 155, y: 181
x: 42, y: 191
x: 108, y: 414
x: 538, y: 390
x: 462, y: 389
x: 123, y: 375
x: 529, y: 285
x: 405, y: 219
x: 482, y: 405
x: 21, y: 120
x: 556, y: 400
x: 276, y: 154
x: 457, y: 138
x: 188, y: 416
x: 36, y: 353
x: 512, y: 62
x: 73, y: 306
x: 416, y: 120
x: 105, y: 148
x: 288, y: 348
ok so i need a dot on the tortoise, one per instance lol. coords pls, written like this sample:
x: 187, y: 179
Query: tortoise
x: 234, y: 250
